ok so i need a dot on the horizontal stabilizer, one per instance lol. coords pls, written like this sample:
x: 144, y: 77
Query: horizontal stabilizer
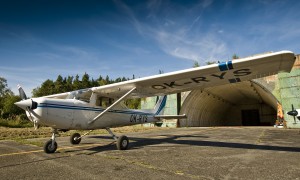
x: 170, y: 116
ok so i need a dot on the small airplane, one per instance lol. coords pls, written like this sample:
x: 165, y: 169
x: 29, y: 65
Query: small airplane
x: 294, y: 113
x: 84, y: 109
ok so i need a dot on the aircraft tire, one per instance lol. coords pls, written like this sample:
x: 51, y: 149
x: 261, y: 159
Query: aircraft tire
x: 74, y: 139
x: 48, y: 147
x: 122, y: 143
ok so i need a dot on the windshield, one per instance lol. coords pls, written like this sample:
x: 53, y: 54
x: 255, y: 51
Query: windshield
x: 83, y: 95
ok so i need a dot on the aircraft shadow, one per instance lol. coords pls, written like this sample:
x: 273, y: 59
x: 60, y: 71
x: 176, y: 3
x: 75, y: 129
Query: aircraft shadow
x: 137, y: 143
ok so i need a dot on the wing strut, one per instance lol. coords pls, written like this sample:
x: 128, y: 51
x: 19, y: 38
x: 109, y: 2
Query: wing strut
x: 111, y: 106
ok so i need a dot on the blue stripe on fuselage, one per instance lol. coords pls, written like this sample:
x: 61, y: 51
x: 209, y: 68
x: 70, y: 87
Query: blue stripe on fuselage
x: 82, y: 108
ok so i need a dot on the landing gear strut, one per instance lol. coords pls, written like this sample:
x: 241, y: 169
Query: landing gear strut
x: 76, y: 137
x: 122, y: 141
x: 51, y: 145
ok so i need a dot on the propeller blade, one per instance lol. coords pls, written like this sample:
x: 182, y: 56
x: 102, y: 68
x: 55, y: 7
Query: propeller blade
x: 22, y: 93
x: 293, y: 113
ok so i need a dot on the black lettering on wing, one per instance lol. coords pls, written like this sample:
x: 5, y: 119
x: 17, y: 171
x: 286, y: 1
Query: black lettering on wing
x: 221, y: 76
x: 199, y: 79
x: 172, y: 84
x: 242, y: 72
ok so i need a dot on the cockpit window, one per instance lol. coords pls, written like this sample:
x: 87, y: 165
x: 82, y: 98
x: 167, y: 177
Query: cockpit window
x: 82, y: 95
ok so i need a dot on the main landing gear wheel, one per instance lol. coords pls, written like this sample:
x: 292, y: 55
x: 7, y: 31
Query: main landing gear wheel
x: 122, y: 143
x: 75, y: 138
x: 50, y: 147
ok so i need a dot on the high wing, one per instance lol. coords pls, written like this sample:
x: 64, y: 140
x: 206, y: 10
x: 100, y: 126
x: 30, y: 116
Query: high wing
x: 201, y: 77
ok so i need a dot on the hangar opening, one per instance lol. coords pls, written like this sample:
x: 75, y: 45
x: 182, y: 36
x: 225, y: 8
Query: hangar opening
x: 239, y: 104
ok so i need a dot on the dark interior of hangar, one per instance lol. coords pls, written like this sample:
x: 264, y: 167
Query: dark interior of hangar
x: 240, y: 104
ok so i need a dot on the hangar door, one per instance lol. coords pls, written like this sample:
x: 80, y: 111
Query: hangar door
x: 250, y: 117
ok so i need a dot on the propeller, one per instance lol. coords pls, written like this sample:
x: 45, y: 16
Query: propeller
x: 22, y: 93
x: 293, y: 113
x: 28, y: 105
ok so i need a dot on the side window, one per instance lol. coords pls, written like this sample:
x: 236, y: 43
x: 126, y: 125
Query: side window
x: 97, y: 100
x: 105, y: 101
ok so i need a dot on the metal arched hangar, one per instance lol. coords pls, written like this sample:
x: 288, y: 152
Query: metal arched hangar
x: 239, y: 104
x: 249, y: 103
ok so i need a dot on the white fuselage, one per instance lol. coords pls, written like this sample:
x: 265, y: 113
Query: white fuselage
x: 75, y: 114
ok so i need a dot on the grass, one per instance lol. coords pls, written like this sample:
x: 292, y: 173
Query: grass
x: 19, y: 134
x: 17, y: 123
x: 21, y: 130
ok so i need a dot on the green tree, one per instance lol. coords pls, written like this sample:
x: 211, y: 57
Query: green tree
x: 9, y: 108
x: 235, y: 56
x: 4, y: 93
x: 196, y: 64
x: 46, y: 88
x: 107, y: 79
x: 86, y: 81
x: 59, y: 85
x: 210, y: 62
x: 4, y: 90
x: 69, y: 83
x: 118, y: 80
x: 94, y: 83
x: 77, y: 84
x: 124, y: 79
x: 133, y: 103
x: 63, y: 84
x: 102, y: 82
x: 100, y: 78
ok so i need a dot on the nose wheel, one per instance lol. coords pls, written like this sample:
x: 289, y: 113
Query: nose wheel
x: 51, y: 145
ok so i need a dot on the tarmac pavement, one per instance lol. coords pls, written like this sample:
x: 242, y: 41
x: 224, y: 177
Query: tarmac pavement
x: 181, y: 153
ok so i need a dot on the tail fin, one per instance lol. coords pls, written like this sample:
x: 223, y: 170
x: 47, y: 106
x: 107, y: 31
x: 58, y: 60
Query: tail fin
x: 161, y: 103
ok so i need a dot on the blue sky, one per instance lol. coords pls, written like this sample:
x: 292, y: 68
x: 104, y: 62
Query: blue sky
x: 40, y: 39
